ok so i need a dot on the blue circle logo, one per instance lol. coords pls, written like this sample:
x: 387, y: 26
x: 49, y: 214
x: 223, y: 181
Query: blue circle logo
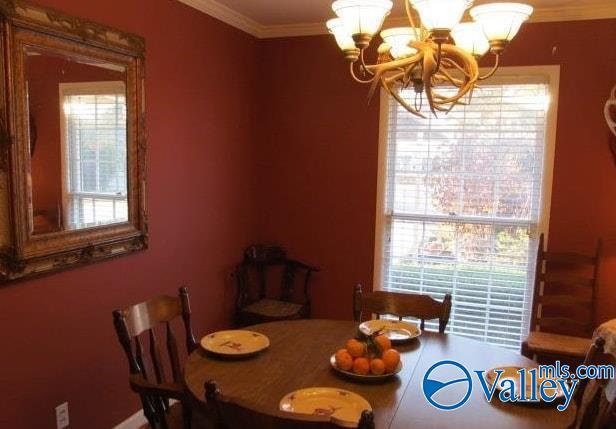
x: 447, y: 385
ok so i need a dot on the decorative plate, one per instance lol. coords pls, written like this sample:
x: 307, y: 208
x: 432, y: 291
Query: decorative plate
x: 364, y: 378
x: 235, y: 343
x: 511, y: 373
x: 397, y: 331
x: 343, y: 408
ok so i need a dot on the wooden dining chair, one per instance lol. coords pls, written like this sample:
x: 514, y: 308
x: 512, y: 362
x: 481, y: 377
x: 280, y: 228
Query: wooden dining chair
x: 595, y: 409
x: 230, y: 414
x: 422, y: 307
x: 137, y: 326
x: 257, y: 300
x: 563, y: 308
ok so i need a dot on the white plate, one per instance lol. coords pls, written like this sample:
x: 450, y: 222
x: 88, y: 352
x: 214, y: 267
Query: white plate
x: 342, y: 407
x: 511, y: 372
x: 235, y: 343
x: 397, y: 331
x: 364, y: 378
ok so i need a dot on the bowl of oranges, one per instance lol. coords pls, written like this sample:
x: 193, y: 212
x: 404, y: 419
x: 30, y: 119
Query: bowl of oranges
x: 367, y: 358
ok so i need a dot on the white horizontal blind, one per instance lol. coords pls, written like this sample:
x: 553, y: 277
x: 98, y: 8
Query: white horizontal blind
x: 95, y: 153
x: 463, y: 197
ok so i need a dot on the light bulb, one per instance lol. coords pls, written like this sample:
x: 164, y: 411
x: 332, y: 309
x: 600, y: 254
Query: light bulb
x: 469, y: 36
x: 440, y: 15
x: 399, y: 39
x: 500, y: 22
x: 362, y: 18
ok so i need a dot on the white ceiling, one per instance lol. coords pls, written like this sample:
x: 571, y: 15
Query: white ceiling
x: 280, y: 18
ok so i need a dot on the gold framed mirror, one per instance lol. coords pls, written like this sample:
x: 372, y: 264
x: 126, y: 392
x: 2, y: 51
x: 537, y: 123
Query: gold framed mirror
x: 72, y: 170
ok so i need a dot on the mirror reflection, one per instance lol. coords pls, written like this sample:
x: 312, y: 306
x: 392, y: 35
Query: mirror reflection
x: 78, y: 135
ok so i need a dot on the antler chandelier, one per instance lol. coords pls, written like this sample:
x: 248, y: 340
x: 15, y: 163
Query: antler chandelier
x: 436, y: 51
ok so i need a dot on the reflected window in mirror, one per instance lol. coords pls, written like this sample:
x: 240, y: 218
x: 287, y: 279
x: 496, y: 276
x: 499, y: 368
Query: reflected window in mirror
x: 78, y: 141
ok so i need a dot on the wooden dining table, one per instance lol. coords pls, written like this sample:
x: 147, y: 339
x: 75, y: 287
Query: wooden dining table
x: 299, y: 357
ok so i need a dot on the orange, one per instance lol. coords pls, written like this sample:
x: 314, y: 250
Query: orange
x: 377, y: 366
x: 361, y: 366
x: 344, y: 360
x: 356, y: 348
x: 383, y: 342
x: 391, y: 358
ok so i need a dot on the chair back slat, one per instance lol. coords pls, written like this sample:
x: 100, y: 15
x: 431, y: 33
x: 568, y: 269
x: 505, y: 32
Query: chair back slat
x: 155, y: 357
x: 172, y: 349
x: 139, y: 357
x: 191, y: 342
x: 565, y: 291
x: 403, y: 305
x: 147, y: 315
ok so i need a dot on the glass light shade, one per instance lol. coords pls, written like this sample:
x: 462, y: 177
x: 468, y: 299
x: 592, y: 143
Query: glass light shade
x: 362, y: 16
x: 469, y: 36
x: 343, y: 37
x: 398, y: 39
x: 501, y: 21
x: 440, y: 14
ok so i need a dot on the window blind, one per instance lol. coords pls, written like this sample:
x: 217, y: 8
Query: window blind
x: 462, y: 206
x: 95, y: 151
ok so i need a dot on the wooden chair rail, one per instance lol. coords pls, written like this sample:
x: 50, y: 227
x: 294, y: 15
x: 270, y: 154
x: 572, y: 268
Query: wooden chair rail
x: 564, y: 300
x: 570, y: 258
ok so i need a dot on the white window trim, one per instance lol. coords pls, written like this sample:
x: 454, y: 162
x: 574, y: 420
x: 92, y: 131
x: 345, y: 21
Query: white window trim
x: 509, y: 74
x: 78, y: 88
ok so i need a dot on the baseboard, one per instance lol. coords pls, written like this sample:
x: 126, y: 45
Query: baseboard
x: 133, y: 422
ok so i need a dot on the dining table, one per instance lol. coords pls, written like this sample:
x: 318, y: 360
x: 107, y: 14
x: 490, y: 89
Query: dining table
x: 299, y: 357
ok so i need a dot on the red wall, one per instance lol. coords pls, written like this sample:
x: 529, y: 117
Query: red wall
x: 58, y: 342
x: 319, y: 155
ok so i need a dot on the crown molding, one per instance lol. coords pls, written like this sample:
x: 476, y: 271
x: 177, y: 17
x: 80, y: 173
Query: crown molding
x: 227, y: 15
x: 250, y: 26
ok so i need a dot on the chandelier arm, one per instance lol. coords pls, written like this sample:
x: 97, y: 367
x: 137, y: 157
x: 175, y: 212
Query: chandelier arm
x: 491, y: 72
x: 363, y: 63
x: 402, y: 101
x: 409, y: 13
x: 357, y: 79
x: 448, y: 77
x: 451, y: 63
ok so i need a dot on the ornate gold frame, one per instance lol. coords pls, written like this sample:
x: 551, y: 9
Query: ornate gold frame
x: 23, y: 254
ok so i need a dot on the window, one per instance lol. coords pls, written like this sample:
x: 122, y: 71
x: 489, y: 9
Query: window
x: 94, y: 147
x: 463, y: 199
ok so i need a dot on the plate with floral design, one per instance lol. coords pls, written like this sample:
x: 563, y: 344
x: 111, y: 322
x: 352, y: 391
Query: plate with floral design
x: 236, y: 343
x: 397, y: 331
x: 341, y: 407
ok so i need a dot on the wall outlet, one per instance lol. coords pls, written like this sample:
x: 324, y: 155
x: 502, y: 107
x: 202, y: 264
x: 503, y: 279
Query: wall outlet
x: 62, y: 416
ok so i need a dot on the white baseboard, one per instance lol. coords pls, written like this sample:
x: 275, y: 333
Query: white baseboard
x: 133, y: 422
x: 137, y: 420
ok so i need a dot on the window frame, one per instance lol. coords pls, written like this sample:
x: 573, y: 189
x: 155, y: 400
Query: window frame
x: 504, y: 75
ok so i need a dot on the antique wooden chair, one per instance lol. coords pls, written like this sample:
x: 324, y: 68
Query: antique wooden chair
x: 595, y: 409
x: 150, y: 381
x: 257, y: 301
x: 403, y: 305
x: 563, y: 309
x: 229, y: 414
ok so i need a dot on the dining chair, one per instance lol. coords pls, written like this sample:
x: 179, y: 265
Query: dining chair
x: 422, y: 307
x: 563, y: 308
x: 230, y: 414
x: 137, y: 327
x: 258, y: 300
x: 596, y: 409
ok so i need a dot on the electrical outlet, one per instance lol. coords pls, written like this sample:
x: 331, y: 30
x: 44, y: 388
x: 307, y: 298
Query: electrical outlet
x: 62, y: 416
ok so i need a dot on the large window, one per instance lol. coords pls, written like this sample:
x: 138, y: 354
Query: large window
x: 94, y: 146
x: 463, y: 199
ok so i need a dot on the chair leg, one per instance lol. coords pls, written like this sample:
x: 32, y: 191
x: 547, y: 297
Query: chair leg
x: 186, y: 416
x: 525, y: 351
